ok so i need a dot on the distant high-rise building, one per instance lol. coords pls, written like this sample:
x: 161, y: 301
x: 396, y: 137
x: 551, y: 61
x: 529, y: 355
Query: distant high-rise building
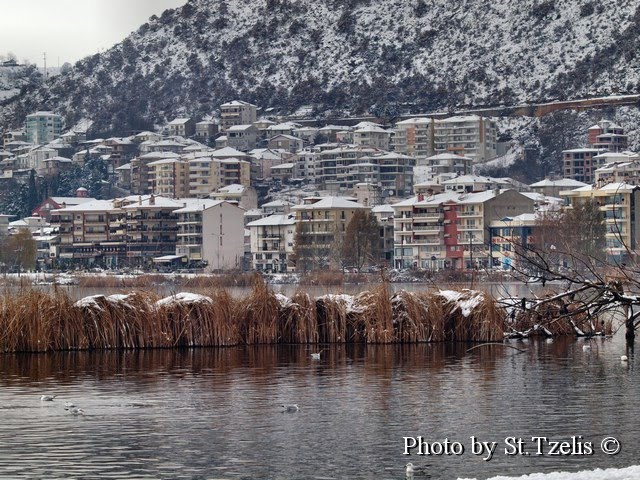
x: 43, y: 127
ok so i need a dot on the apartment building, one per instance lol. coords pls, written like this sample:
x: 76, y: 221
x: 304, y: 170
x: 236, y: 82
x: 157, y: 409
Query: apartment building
x: 414, y: 137
x: 206, y: 174
x: 618, y: 167
x: 205, y: 130
x: 580, y: 163
x: 609, y: 136
x: 210, y: 233
x: 509, y: 237
x: 470, y: 136
x: 139, y: 171
x: 43, y: 127
x: 169, y: 177
x: 236, y: 112
x: 372, y: 136
x: 272, y: 243
x: 441, y: 167
x: 340, y: 169
x: 450, y: 230
x: 618, y: 203
x: 322, y: 222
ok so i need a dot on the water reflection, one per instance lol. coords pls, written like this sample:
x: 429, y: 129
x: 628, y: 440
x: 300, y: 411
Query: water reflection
x: 214, y: 413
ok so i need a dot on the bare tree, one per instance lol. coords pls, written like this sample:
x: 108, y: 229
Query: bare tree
x: 362, y: 240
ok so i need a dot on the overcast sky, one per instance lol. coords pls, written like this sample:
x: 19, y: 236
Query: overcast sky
x: 70, y: 29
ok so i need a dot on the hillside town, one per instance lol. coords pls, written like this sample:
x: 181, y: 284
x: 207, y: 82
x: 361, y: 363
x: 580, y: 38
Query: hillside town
x: 242, y: 192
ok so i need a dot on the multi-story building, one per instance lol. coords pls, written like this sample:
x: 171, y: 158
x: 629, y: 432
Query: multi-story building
x: 619, y: 204
x: 242, y: 137
x: 618, y: 167
x: 510, y: 237
x: 43, y: 127
x: 450, y: 230
x: 169, y: 177
x: 414, y: 137
x: 372, y: 136
x: 552, y: 188
x: 272, y: 243
x: 579, y: 163
x: 384, y: 217
x: 183, y: 127
x: 471, y: 136
x: 322, y: 222
x: 236, y: 112
x: 609, y: 136
x: 205, y: 130
x: 340, y: 169
x: 210, y: 233
x: 139, y: 171
x: 444, y: 166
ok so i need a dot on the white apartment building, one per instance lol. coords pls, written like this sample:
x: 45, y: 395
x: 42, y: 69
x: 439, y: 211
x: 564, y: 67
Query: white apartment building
x: 470, y: 135
x: 211, y: 232
x: 372, y: 136
x: 272, y: 243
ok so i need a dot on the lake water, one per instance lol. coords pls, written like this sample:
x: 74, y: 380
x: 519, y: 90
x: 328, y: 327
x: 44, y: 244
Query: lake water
x: 214, y: 413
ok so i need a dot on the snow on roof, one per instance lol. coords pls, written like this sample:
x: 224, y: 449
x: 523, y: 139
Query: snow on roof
x: 273, y: 220
x: 237, y: 103
x: 158, y: 202
x: 227, y: 152
x: 167, y: 143
x: 595, y: 127
x: 277, y: 203
x: 459, y: 119
x: 69, y: 201
x: 448, y: 156
x: 198, y: 205
x: 165, y: 161
x: 58, y: 159
x: 283, y: 166
x: 382, y: 209
x: 584, y: 150
x: 126, y: 166
x: 239, y: 128
x: 371, y: 129
x: 474, y: 179
x: 233, y: 188
x: 178, y: 121
x: 159, y: 155
x: 564, y: 182
x: 288, y: 137
x: 329, y: 203
x: 93, y: 205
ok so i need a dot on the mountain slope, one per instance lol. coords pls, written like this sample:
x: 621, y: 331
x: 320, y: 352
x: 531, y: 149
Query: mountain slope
x: 350, y: 56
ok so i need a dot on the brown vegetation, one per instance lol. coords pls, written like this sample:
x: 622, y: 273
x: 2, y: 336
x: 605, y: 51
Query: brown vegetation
x: 36, y: 321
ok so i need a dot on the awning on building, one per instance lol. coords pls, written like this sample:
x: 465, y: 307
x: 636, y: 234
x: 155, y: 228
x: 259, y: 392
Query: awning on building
x: 168, y: 258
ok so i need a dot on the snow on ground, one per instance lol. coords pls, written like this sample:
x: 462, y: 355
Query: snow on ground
x: 629, y: 473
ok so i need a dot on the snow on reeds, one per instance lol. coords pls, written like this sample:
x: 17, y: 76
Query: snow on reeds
x: 36, y: 321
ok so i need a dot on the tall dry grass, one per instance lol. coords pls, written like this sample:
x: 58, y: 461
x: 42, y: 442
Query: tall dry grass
x: 35, y: 321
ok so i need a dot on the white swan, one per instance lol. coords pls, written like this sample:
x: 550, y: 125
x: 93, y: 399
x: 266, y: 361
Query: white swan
x: 411, y: 469
x: 315, y: 356
x: 47, y: 398
x: 624, y: 358
x: 75, y: 411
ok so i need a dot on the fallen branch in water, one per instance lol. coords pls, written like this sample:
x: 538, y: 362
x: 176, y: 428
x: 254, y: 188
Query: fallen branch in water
x: 496, y: 343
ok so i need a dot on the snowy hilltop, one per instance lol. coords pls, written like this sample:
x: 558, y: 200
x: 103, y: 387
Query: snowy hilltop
x: 354, y: 56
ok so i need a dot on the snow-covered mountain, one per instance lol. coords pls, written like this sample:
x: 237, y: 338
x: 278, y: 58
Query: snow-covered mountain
x: 348, y: 56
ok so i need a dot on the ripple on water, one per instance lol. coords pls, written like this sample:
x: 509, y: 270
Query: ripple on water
x: 216, y: 413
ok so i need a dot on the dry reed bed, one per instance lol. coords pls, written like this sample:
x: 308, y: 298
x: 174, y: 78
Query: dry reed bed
x: 36, y: 321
